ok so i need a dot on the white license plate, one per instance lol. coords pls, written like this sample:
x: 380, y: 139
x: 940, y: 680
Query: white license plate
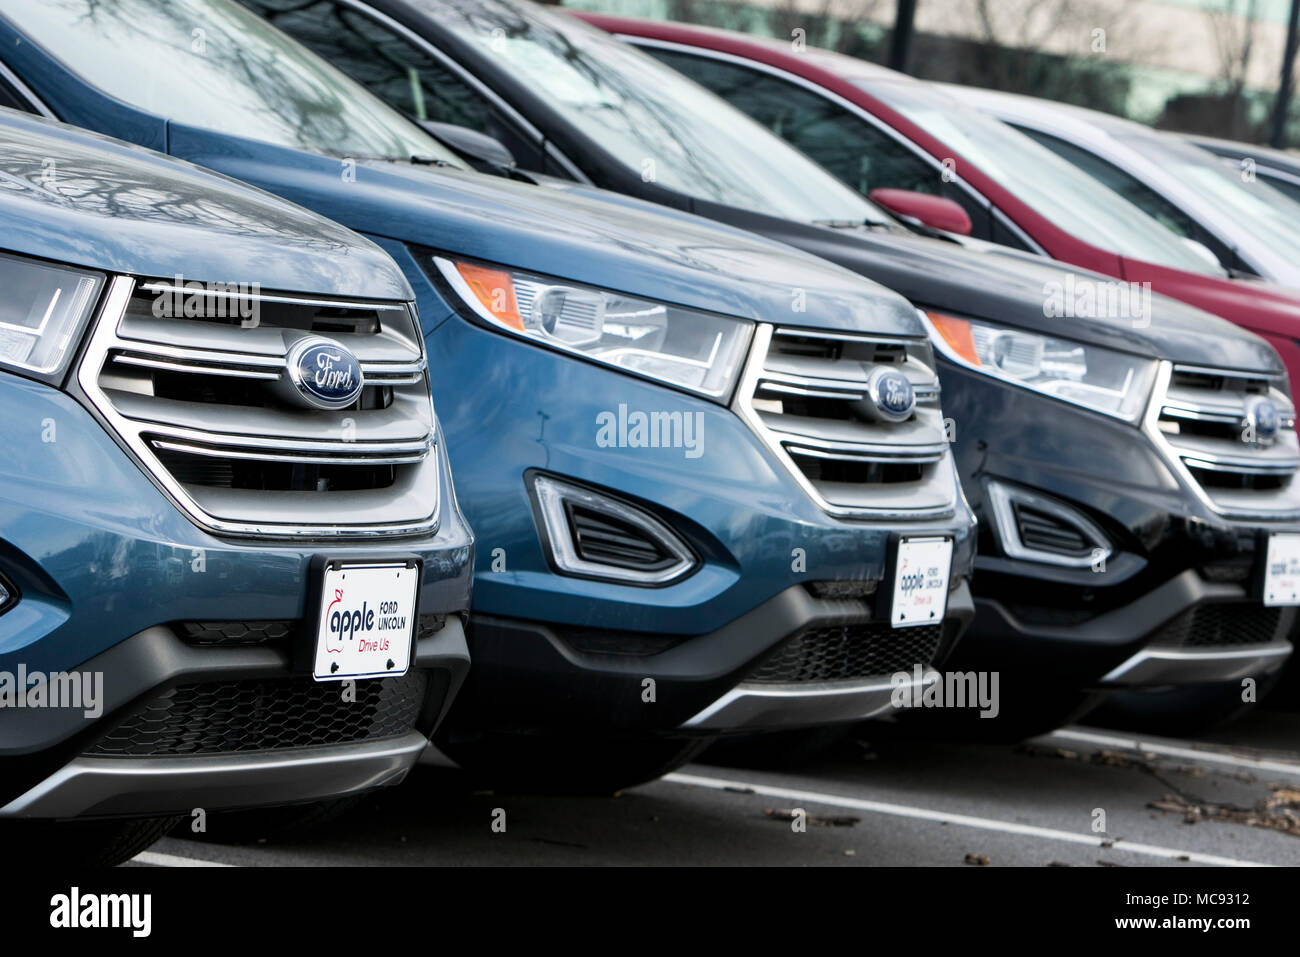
x: 921, y: 581
x: 1282, y: 570
x: 367, y: 618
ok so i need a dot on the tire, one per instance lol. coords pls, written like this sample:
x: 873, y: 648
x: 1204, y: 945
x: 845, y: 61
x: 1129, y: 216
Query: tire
x: 83, y: 843
x: 554, y: 764
x: 267, y: 823
x: 776, y: 750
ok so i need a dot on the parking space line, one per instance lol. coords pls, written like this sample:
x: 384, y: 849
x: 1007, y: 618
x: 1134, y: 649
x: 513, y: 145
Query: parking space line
x: 965, y: 820
x: 1172, y: 751
x: 159, y: 859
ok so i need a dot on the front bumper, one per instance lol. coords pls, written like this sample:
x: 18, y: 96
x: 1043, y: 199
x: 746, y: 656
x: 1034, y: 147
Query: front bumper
x: 529, y: 677
x: 1165, y: 637
x: 74, y: 778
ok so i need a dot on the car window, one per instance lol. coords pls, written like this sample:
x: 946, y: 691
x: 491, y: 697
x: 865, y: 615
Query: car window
x: 1287, y: 187
x: 402, y: 73
x: 1126, y: 184
x: 655, y: 122
x: 214, y: 65
x: 860, y: 155
x: 1274, y: 219
x: 856, y: 152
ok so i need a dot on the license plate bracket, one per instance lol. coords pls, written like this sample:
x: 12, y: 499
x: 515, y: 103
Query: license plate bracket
x: 365, y: 617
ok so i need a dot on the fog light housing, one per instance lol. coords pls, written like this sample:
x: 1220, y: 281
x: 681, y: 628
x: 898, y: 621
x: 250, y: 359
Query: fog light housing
x: 590, y: 534
x: 1037, y: 528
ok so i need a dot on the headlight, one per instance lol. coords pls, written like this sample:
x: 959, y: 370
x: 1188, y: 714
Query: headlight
x: 686, y: 348
x: 1115, y: 383
x: 42, y: 311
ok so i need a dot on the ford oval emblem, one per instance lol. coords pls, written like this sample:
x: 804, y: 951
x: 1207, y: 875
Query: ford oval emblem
x: 890, y: 394
x: 324, y: 374
x: 1261, y: 423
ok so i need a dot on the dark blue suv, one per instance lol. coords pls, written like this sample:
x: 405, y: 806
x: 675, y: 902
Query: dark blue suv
x: 232, y: 568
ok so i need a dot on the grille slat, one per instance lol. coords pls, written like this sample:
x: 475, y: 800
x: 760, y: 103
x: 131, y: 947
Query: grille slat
x: 849, y: 652
x: 603, y: 539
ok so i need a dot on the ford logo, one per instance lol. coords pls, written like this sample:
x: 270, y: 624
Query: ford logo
x: 890, y: 395
x: 1262, y: 420
x: 324, y: 374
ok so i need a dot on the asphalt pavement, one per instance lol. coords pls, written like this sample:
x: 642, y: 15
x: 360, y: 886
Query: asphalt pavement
x: 1082, y: 797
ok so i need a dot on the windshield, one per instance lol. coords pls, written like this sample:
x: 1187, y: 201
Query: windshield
x: 212, y: 64
x: 1273, y: 217
x: 651, y: 118
x: 1054, y: 188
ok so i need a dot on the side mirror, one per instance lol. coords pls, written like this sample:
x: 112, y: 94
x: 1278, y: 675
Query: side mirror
x: 470, y: 145
x: 933, y: 212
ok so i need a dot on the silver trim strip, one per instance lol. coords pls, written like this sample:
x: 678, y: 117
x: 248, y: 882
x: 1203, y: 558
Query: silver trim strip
x: 268, y: 455
x: 1162, y: 665
x: 796, y: 705
x: 355, y: 305
x: 843, y: 452
x: 90, y: 786
x: 1224, y: 373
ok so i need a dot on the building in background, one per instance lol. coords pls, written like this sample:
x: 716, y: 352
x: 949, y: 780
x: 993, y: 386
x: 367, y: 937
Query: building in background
x: 1204, y: 66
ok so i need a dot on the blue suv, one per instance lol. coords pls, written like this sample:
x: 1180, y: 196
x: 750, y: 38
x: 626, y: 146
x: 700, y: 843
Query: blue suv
x: 708, y: 474
x: 232, y: 568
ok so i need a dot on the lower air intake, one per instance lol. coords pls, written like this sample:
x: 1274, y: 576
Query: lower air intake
x: 849, y: 652
x: 1209, y: 626
x: 266, y: 715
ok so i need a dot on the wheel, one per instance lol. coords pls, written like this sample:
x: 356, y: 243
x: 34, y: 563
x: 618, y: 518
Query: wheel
x: 776, y: 749
x: 266, y: 823
x: 555, y: 764
x: 83, y: 843
x: 1177, y: 712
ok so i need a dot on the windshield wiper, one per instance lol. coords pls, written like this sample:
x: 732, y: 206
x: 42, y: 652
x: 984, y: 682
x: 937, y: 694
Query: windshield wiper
x: 432, y: 161
x: 853, y: 223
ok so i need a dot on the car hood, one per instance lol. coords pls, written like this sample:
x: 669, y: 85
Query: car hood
x: 80, y: 198
x: 586, y: 236
x: 1001, y: 285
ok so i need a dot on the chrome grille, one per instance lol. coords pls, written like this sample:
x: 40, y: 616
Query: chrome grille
x: 805, y: 393
x: 1199, y: 418
x: 202, y: 401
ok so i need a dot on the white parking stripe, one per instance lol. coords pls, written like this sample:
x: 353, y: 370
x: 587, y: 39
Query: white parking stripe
x: 1173, y: 751
x: 965, y: 820
x: 158, y: 859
